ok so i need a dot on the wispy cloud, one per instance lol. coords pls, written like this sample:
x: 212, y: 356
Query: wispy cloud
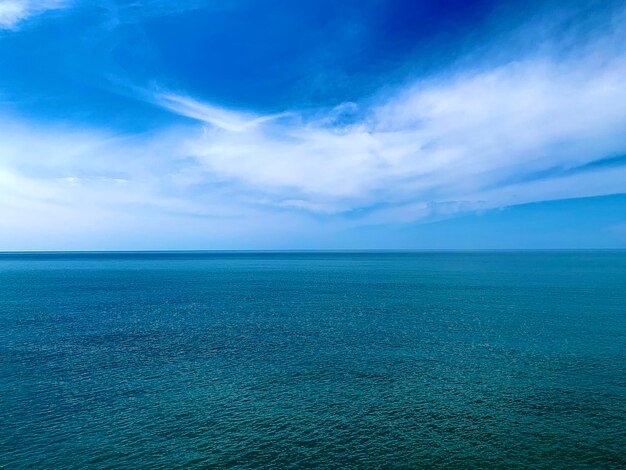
x: 218, y: 117
x: 474, y: 137
x: 14, y: 12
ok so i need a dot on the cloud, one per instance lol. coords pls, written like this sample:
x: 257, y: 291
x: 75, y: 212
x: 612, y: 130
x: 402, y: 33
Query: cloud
x: 220, y: 118
x: 476, y: 137
x: 14, y: 12
x: 70, y: 188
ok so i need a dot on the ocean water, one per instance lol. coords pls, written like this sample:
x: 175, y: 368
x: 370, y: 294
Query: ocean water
x: 327, y: 360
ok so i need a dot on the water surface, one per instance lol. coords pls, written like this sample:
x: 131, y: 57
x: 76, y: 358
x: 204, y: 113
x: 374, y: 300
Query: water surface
x: 297, y: 360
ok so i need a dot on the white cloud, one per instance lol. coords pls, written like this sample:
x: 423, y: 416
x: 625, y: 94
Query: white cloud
x: 14, y: 12
x: 455, y: 137
x: 218, y: 117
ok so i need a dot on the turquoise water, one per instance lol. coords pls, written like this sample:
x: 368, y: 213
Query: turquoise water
x: 251, y: 360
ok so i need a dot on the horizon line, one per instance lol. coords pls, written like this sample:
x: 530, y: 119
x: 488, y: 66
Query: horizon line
x: 305, y: 250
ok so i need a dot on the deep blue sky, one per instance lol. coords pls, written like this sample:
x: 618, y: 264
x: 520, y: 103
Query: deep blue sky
x: 282, y: 124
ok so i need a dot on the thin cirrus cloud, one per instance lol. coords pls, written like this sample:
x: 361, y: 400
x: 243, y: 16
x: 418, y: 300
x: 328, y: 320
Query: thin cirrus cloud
x: 217, y: 117
x: 14, y: 12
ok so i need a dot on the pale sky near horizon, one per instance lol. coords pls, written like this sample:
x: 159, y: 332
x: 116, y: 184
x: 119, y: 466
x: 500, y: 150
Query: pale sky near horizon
x: 155, y: 124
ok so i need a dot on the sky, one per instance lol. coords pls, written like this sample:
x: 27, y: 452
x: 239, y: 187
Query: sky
x: 239, y: 124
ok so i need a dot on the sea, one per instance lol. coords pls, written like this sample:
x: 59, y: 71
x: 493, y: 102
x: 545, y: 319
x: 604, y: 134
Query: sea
x: 485, y: 359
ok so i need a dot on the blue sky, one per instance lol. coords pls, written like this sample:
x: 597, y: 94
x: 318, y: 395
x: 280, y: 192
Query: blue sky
x: 278, y: 124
